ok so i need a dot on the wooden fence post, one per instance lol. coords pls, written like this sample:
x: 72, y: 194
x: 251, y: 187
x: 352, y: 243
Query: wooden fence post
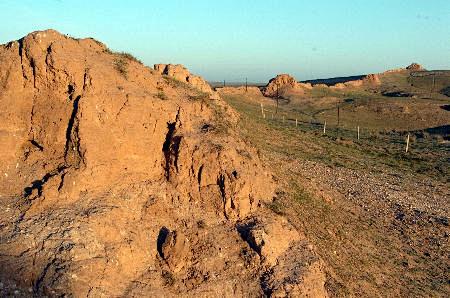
x: 338, y: 121
x: 324, y: 127
x: 432, y: 86
x: 295, y: 122
x: 358, y: 133
x: 339, y: 118
x: 407, y: 144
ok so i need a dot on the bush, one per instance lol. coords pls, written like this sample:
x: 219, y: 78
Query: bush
x: 161, y: 95
x: 121, y: 66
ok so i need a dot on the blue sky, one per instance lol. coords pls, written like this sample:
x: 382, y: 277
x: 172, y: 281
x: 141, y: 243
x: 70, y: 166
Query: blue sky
x: 256, y: 39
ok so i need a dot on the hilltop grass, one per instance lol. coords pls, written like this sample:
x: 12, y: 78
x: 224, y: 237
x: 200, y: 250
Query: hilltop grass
x: 122, y: 60
x: 128, y: 56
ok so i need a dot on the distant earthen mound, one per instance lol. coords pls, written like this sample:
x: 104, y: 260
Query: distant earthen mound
x: 180, y: 73
x: 415, y: 67
x: 372, y: 79
x: 118, y: 181
x: 280, y: 85
x: 411, y: 67
x: 365, y: 81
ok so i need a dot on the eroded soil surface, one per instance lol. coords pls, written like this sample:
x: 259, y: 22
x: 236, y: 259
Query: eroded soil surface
x: 121, y: 180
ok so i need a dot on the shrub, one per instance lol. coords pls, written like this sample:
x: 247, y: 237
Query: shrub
x: 121, y: 66
x: 161, y: 95
x: 277, y: 207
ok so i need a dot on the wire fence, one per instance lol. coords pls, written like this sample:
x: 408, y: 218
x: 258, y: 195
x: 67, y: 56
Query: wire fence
x: 420, y: 141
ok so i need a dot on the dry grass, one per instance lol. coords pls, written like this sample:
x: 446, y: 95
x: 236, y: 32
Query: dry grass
x: 122, y: 60
x: 121, y: 65
x: 128, y: 56
x: 367, y: 254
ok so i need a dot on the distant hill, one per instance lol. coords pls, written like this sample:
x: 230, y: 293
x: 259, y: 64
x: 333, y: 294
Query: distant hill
x: 433, y: 80
x: 334, y: 81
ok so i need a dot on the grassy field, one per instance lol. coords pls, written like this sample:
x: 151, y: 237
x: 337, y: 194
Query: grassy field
x: 377, y: 147
x: 377, y: 215
x: 369, y: 110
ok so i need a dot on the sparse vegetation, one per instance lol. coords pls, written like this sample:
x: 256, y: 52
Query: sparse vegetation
x: 161, y: 95
x: 108, y: 50
x: 276, y: 206
x: 121, y: 65
x: 128, y: 57
x: 122, y: 60
x: 198, y: 97
x: 344, y: 192
x: 176, y: 83
x: 222, y: 124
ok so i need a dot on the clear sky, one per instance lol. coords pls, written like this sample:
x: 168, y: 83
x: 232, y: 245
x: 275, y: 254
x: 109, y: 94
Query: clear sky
x: 232, y: 40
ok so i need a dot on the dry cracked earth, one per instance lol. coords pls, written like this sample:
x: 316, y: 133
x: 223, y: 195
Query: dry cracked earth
x: 122, y: 180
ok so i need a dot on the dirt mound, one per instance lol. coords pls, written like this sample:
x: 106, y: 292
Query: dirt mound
x: 415, y: 67
x: 180, y: 73
x: 281, y: 84
x: 285, y: 85
x: 411, y: 67
x: 368, y: 80
x: 307, y: 86
x: 119, y: 181
x: 349, y: 84
x: 372, y: 79
x: 281, y: 257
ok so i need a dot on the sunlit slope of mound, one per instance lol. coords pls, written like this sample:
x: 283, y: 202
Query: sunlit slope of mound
x: 120, y: 180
